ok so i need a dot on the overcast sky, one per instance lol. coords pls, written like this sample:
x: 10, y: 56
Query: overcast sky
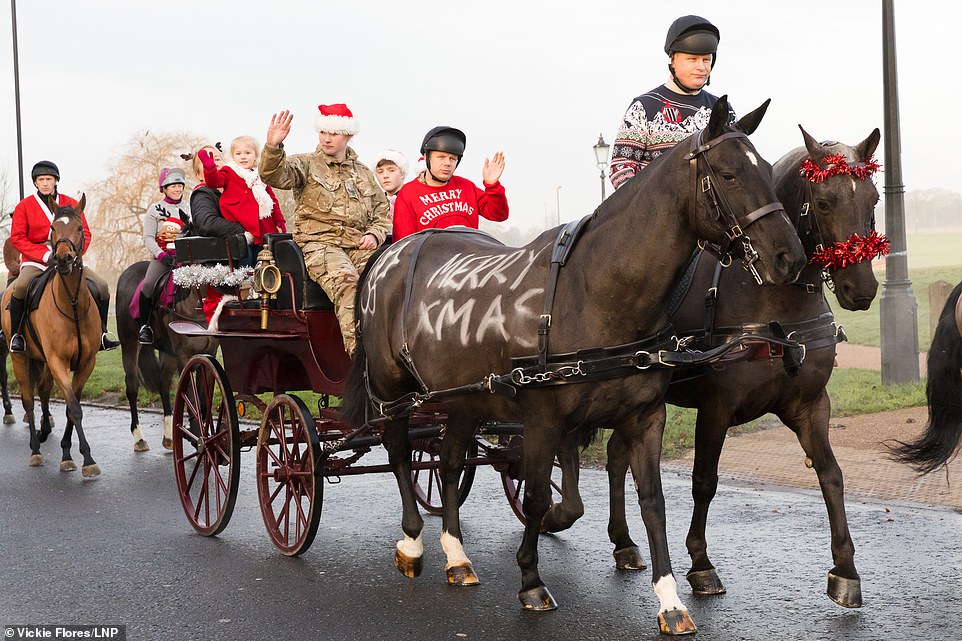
x: 538, y: 80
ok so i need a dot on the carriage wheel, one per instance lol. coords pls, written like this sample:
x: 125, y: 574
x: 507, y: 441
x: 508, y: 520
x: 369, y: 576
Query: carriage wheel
x: 427, y: 482
x: 289, y: 482
x: 206, y: 445
x: 512, y: 479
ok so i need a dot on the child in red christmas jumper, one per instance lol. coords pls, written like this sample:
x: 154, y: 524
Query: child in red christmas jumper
x: 245, y: 199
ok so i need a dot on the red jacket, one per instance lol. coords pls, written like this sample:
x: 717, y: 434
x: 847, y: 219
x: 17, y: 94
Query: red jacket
x: 238, y: 203
x: 419, y: 206
x: 30, y: 228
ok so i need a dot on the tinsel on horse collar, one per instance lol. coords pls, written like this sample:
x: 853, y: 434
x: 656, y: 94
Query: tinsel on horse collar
x: 856, y: 248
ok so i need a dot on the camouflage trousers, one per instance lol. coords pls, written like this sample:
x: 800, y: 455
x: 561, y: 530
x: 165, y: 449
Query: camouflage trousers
x: 337, y: 271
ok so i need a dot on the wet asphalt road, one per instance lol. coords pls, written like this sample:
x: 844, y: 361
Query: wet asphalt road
x: 118, y: 550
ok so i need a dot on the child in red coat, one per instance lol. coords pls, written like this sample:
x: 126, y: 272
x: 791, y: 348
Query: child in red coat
x: 246, y: 199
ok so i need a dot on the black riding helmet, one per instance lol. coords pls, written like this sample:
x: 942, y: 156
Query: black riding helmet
x: 44, y: 168
x: 446, y: 139
x: 691, y: 34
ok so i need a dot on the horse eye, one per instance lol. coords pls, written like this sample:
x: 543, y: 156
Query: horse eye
x: 823, y: 205
x: 728, y: 176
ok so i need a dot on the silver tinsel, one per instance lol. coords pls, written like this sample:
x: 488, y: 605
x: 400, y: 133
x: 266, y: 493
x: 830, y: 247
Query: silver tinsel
x: 216, y: 275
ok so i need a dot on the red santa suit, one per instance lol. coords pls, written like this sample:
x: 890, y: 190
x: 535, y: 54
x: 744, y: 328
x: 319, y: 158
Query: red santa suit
x: 246, y: 200
x: 30, y: 229
x: 459, y: 202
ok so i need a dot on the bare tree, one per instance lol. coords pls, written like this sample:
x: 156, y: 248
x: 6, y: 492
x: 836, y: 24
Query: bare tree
x: 117, y: 202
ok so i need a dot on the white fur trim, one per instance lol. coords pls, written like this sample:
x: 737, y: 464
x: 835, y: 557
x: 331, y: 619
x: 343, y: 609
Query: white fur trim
x: 212, y: 326
x: 394, y: 156
x: 265, y: 206
x: 336, y: 124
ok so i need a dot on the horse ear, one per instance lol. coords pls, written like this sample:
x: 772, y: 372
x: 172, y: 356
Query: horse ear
x: 749, y: 123
x: 867, y: 147
x: 82, y: 203
x: 719, y: 116
x: 815, y: 148
x: 52, y: 205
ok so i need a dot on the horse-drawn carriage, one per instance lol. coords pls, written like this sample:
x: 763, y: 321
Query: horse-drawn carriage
x: 284, y: 340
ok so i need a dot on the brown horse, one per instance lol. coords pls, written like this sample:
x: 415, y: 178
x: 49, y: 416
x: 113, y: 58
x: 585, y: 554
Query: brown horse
x: 62, y: 335
x: 459, y: 312
x: 833, y: 214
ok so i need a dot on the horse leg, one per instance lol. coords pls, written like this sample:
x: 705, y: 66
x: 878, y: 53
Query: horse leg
x: 710, y: 429
x: 25, y: 370
x: 562, y: 516
x: 166, y: 376
x: 627, y: 554
x: 43, y: 391
x: 642, y: 434
x: 409, y: 555
x: 811, y: 427
x: 4, y: 383
x: 72, y: 389
x: 541, y: 442
x: 130, y: 352
x: 458, y: 434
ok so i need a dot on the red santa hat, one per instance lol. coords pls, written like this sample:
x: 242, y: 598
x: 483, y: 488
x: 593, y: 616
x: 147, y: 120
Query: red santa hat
x: 336, y: 119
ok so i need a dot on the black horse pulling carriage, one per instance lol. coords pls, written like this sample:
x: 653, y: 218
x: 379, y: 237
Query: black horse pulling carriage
x: 284, y: 341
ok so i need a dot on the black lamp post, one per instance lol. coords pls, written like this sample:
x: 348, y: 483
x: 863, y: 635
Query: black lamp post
x: 601, y: 156
x: 16, y: 92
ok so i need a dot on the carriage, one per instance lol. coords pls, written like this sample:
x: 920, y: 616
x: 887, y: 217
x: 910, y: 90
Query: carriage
x: 283, y: 340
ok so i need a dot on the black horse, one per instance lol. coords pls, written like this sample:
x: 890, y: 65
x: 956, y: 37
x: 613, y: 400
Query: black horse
x: 941, y: 440
x: 827, y: 191
x: 456, y: 309
x: 156, y: 364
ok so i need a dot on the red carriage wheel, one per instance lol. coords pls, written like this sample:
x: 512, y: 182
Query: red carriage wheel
x: 512, y: 478
x: 206, y: 445
x: 289, y: 482
x: 427, y: 482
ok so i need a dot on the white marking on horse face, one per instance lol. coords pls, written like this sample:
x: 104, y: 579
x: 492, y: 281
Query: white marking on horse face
x: 667, y: 592
x: 453, y: 549
x: 63, y: 219
x: 752, y: 158
x: 411, y: 548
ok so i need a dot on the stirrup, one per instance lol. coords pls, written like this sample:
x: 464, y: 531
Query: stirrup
x: 107, y: 343
x: 146, y: 335
x: 17, y: 344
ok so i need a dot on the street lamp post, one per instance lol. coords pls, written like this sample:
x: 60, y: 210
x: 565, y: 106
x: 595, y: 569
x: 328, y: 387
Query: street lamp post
x: 601, y: 156
x: 557, y: 195
x: 16, y: 91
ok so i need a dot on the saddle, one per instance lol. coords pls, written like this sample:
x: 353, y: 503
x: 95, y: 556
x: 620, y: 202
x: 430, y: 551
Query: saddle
x: 39, y: 284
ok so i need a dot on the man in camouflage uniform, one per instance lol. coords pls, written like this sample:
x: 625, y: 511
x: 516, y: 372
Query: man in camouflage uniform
x: 341, y: 215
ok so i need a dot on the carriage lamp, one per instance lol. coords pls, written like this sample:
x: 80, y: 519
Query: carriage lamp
x: 267, y: 281
x: 601, y: 157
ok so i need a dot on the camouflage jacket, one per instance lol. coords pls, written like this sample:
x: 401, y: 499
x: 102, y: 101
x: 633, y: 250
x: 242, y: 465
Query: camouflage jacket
x: 336, y: 202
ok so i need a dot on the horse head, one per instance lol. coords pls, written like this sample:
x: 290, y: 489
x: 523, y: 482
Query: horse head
x: 839, y: 235
x: 732, y: 201
x: 67, y: 236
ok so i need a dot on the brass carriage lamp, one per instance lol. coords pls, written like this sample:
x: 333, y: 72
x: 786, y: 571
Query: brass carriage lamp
x: 267, y: 281
x: 601, y: 157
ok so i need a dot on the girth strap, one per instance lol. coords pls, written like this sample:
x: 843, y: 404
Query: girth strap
x: 563, y: 245
x: 405, y: 352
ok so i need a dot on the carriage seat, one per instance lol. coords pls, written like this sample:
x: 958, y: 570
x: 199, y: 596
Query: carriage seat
x: 290, y: 260
x: 194, y: 250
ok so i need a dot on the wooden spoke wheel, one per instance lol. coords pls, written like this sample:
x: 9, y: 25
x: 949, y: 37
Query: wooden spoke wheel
x: 512, y: 478
x: 427, y: 482
x: 206, y: 445
x: 289, y: 482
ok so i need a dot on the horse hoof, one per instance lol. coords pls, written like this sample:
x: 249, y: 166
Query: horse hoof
x: 68, y: 466
x: 846, y: 592
x: 676, y: 622
x: 629, y: 558
x: 168, y: 443
x: 141, y: 446
x: 90, y: 471
x: 537, y: 599
x: 705, y: 582
x: 409, y: 566
x: 9, y: 419
x: 36, y: 460
x: 462, y: 574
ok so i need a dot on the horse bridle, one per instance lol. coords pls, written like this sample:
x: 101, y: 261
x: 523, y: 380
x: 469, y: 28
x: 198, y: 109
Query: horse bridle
x: 723, y: 210
x: 78, y: 251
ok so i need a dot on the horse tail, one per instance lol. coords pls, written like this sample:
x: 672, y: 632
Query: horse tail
x: 943, y: 434
x: 149, y: 367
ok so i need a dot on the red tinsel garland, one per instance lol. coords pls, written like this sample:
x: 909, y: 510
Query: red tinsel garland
x: 854, y: 250
x: 835, y: 165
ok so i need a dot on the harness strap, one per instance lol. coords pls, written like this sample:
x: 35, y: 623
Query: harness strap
x: 711, y: 299
x: 563, y: 245
x: 405, y: 352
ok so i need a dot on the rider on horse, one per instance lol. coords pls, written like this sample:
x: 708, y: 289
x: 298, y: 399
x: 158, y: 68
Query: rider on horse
x: 29, y: 233
x: 162, y: 222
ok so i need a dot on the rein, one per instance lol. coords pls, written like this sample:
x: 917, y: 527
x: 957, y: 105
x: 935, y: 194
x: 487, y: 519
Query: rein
x: 723, y: 210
